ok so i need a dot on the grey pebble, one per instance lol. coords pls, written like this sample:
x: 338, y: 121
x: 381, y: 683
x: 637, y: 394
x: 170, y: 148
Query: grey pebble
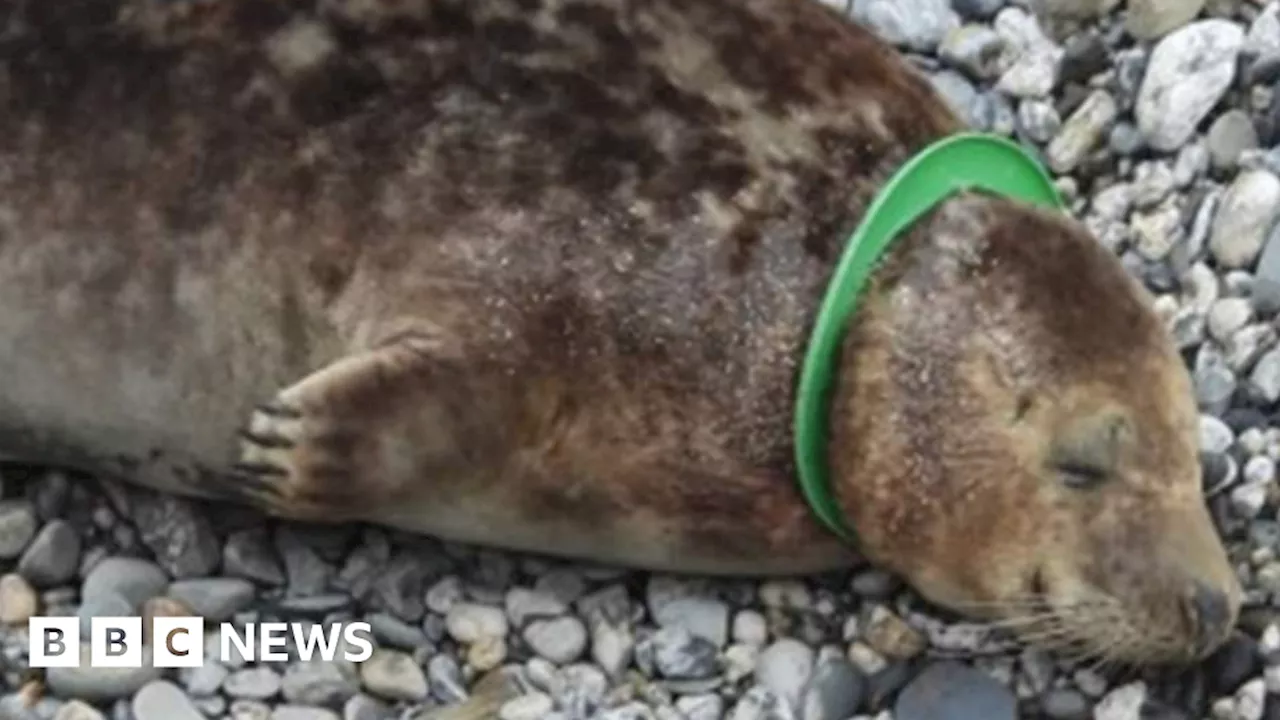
x: 560, y: 640
x: 363, y: 707
x: 1038, y: 120
x: 215, y: 599
x: 973, y: 48
x: 524, y: 603
x: 533, y: 706
x: 204, y: 680
x: 707, y: 706
x: 1188, y: 72
x: 306, y: 573
x: 977, y: 9
x: 18, y: 525
x: 612, y: 646
x: 1149, y: 19
x: 1083, y: 131
x: 578, y: 689
x: 1033, y: 61
x: 916, y: 24
x: 73, y: 710
x: 1245, y: 217
x: 133, y: 579
x: 1065, y: 704
x: 690, y: 604
x: 102, y: 604
x: 1231, y: 134
x: 444, y: 594
x: 53, y: 557
x: 956, y: 692
x: 784, y: 669
x: 834, y: 692
x: 759, y: 703
x: 392, y: 631
x: 1264, y: 380
x: 400, y: 588
x: 94, y: 684
x: 1266, y: 286
x: 444, y: 677
x: 317, y: 682
x: 162, y: 700
x: 178, y: 534
x: 249, y: 554
x: 394, y: 675
x: 257, y: 683
x: 678, y: 654
x: 299, y: 712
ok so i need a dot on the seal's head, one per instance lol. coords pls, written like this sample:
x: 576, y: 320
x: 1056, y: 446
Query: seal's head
x: 1022, y: 440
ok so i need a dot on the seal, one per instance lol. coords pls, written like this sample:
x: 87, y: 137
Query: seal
x: 538, y: 274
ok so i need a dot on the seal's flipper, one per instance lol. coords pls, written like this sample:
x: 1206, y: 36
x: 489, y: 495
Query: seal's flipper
x: 334, y: 445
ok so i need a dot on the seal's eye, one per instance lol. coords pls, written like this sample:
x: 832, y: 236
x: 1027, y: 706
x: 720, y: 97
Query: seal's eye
x: 1081, y: 476
x: 1086, y: 453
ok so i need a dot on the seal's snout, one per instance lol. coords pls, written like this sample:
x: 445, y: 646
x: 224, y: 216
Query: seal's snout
x: 1211, y: 616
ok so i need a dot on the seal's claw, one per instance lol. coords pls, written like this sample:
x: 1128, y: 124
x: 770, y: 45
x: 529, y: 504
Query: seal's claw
x: 316, y: 450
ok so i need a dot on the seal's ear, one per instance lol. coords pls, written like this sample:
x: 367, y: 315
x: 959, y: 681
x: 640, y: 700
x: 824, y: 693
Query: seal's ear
x: 1086, y: 452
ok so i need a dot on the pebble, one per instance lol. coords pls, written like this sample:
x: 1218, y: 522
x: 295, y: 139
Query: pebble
x: 205, y: 680
x: 18, y: 601
x: 258, y: 683
x: 249, y: 554
x: 317, y: 682
x: 18, y: 525
x: 534, y: 706
x: 1247, y: 213
x: 363, y: 707
x: 784, y: 667
x: 1149, y: 19
x: 133, y: 579
x: 1189, y: 71
x: 162, y: 700
x: 53, y: 556
x: 1031, y: 58
x: 296, y: 712
x: 915, y: 24
x: 678, y: 654
x: 94, y: 684
x: 181, y: 539
x: 977, y: 9
x: 1122, y: 703
x: 955, y: 692
x: 1082, y: 132
x: 973, y: 48
x: 891, y: 636
x: 1230, y: 136
x: 835, y: 691
x: 1065, y: 704
x: 77, y: 710
x: 560, y: 640
x: 394, y: 675
x: 215, y: 599
x: 525, y: 603
x: 470, y: 622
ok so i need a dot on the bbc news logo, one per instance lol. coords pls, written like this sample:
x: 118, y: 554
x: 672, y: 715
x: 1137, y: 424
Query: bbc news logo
x: 179, y: 642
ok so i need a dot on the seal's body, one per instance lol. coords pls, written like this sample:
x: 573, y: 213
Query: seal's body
x: 539, y: 274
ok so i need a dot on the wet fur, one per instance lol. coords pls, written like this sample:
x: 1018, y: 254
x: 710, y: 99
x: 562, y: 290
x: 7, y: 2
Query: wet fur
x: 539, y: 274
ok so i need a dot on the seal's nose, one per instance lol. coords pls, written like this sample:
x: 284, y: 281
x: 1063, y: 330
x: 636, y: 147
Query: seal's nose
x: 1211, y: 612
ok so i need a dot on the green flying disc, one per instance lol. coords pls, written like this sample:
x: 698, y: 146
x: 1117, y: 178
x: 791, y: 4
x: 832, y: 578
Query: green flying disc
x: 966, y: 161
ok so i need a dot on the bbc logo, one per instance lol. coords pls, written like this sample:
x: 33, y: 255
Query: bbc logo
x: 55, y: 642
